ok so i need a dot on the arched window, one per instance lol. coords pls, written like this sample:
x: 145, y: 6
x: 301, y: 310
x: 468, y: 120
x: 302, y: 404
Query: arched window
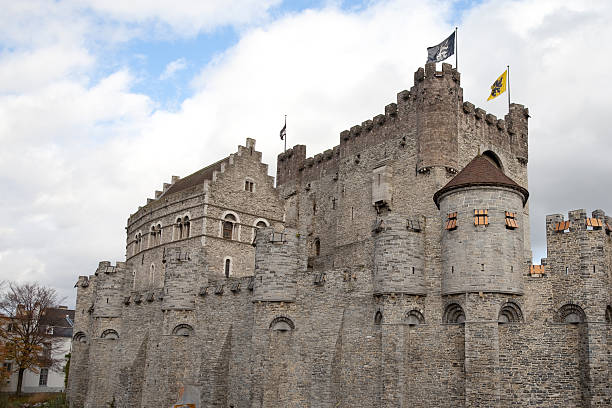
x: 178, y: 229
x: 609, y: 314
x: 228, y: 226
x: 414, y: 318
x: 454, y: 314
x: 510, y: 313
x: 259, y: 223
x: 138, y: 244
x: 282, y: 324
x: 493, y: 158
x: 378, y: 317
x: 186, y: 227
x: 227, y: 267
x: 158, y: 240
x: 183, y: 330
x: 152, y: 275
x: 110, y: 334
x: 571, y: 314
x: 152, y: 236
x: 80, y: 337
x: 317, y: 247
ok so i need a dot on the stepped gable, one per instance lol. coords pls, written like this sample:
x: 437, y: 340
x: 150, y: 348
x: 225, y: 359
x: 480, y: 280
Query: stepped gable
x: 196, y: 178
x: 480, y: 172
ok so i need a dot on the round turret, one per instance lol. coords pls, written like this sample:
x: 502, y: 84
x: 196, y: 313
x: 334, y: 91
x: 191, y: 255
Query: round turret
x: 108, y: 300
x: 399, y: 261
x: 482, y: 244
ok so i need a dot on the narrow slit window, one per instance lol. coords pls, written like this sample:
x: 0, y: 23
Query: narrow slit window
x: 451, y: 222
x: 511, y: 220
x: 228, y: 264
x: 481, y: 217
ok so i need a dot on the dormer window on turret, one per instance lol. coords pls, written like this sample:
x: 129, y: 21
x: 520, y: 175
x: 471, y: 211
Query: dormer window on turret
x: 481, y: 217
x: 511, y: 220
x: 562, y: 226
x: 594, y: 223
x: 451, y: 223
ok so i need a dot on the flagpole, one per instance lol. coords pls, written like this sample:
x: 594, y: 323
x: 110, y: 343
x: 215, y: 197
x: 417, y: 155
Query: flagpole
x: 456, y: 47
x: 508, y: 68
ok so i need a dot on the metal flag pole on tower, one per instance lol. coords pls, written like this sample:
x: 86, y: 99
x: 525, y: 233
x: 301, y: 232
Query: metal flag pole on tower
x: 456, y: 47
x: 508, y: 86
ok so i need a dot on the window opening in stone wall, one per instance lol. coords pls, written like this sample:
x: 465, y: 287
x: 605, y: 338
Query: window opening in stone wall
x: 481, y: 217
x: 510, y: 312
x: 228, y: 226
x: 152, y: 275
x: 186, y: 227
x: 594, y: 224
x: 110, y: 334
x: 567, y: 270
x: 451, y: 222
x: 609, y: 314
x: 248, y: 185
x: 378, y: 317
x: 80, y: 337
x: 454, y: 314
x: 511, y: 220
x: 333, y: 200
x: 282, y: 324
x: 562, y: 226
x: 414, y: 318
x: 314, y: 207
x: 184, y: 330
x: 178, y: 229
x: 493, y: 158
x: 228, y: 267
x: 158, y: 239
x: 413, y: 270
x: 352, y: 214
x: 571, y: 314
x: 317, y: 246
x: 452, y: 269
x: 152, y: 235
x: 42, y: 377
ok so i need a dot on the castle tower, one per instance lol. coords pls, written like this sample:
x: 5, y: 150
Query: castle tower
x: 578, y: 255
x: 482, y: 261
x: 399, y: 260
x: 278, y: 258
x: 108, y: 300
x: 183, y: 275
x: 438, y: 97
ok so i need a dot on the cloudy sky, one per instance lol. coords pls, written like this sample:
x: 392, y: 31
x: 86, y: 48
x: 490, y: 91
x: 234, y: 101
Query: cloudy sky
x: 101, y: 101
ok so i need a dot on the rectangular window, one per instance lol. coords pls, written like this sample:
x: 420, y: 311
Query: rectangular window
x: 481, y: 217
x: 42, y: 379
x: 562, y: 226
x: 248, y: 186
x: 511, y: 220
x: 451, y: 223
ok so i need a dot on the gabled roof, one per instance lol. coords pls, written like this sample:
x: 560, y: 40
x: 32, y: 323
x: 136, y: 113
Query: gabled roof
x: 196, y: 178
x: 480, y: 172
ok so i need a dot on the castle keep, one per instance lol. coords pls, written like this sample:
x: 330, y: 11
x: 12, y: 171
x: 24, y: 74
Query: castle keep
x: 393, y: 270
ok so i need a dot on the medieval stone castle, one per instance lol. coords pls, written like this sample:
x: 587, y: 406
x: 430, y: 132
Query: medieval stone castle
x: 393, y: 270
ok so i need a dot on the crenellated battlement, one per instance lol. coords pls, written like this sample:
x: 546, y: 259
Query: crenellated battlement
x: 577, y: 221
x: 427, y: 114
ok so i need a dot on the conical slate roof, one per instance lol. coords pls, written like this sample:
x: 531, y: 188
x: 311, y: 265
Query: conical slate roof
x: 480, y: 172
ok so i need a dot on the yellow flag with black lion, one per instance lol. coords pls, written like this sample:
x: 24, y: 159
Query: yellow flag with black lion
x: 499, y: 86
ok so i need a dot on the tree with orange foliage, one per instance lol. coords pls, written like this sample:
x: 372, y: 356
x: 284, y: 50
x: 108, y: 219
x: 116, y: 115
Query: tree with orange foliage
x: 26, y: 338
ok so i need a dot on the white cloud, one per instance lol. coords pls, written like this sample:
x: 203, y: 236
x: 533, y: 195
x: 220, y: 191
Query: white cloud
x: 80, y: 154
x: 172, y: 68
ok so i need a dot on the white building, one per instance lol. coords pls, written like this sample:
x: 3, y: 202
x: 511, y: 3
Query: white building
x: 59, y: 322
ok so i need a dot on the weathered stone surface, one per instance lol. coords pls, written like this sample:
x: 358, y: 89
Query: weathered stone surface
x: 353, y: 293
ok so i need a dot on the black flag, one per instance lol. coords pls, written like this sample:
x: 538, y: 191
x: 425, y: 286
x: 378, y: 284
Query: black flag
x: 283, y: 131
x: 443, y: 50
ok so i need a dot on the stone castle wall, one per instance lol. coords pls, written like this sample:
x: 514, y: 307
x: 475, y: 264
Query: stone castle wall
x: 355, y: 294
